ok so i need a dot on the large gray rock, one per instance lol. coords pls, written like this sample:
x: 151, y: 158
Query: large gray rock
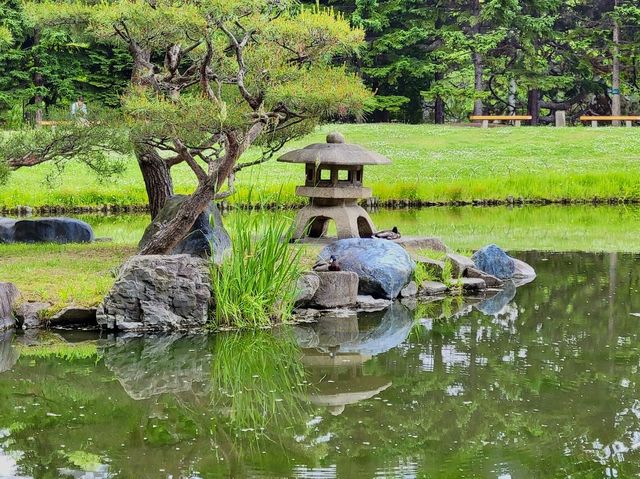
x: 158, y: 293
x: 432, y: 266
x: 422, y: 243
x: 410, y: 290
x: 432, y: 288
x: 369, y: 303
x: 382, y: 266
x: 306, y: 287
x: 31, y: 314
x: 493, y: 260
x: 76, y: 316
x: 208, y: 230
x: 469, y: 285
x: 45, y: 230
x: 8, y: 295
x: 336, y: 289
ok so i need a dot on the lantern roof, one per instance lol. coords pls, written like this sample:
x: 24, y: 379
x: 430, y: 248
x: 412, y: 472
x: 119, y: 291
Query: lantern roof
x: 335, y: 152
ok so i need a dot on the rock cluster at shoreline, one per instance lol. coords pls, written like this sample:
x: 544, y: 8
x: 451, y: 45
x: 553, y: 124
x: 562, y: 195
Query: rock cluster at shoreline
x: 173, y: 292
x: 382, y: 271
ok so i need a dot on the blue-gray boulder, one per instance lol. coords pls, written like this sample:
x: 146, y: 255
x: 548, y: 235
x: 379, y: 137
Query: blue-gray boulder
x: 493, y: 260
x: 382, y: 266
x: 45, y: 230
x: 207, y: 231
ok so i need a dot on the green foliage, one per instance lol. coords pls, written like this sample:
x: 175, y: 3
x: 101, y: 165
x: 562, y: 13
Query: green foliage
x: 447, y: 273
x: 98, y: 142
x: 255, y: 285
x: 422, y: 274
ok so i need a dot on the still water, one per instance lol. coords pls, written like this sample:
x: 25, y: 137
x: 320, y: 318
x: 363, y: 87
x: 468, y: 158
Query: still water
x: 535, y: 383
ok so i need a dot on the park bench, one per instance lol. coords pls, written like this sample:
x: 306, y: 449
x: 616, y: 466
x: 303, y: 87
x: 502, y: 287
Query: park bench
x: 516, y: 119
x: 628, y: 120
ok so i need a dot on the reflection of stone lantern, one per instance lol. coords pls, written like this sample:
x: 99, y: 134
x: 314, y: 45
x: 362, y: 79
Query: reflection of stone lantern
x: 333, y: 185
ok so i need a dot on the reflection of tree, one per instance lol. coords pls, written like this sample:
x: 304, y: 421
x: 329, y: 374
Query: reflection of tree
x: 172, y: 403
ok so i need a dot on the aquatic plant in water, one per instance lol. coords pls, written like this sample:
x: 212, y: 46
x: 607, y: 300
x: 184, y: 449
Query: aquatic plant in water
x: 255, y: 285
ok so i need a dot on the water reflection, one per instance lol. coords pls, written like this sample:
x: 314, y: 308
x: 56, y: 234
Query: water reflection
x: 538, y: 382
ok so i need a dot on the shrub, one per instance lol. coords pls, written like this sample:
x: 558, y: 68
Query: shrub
x: 255, y: 286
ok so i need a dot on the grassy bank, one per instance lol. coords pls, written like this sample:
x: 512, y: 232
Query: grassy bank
x: 62, y: 274
x: 430, y: 163
x: 83, y: 274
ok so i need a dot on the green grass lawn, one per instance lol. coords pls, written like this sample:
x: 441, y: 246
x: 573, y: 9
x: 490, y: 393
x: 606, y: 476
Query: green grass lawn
x: 62, y: 274
x: 430, y: 163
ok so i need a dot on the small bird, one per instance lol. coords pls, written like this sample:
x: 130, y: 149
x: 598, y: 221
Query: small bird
x: 388, y: 234
x: 327, y: 265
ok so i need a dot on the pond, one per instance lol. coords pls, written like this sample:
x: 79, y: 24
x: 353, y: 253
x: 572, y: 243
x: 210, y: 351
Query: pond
x: 549, y: 228
x: 538, y: 382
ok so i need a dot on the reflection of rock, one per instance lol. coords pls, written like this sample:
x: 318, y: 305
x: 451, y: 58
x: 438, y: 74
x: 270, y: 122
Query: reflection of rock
x: 495, y: 304
x: 524, y: 273
x: 151, y: 365
x: 8, y: 354
x: 338, y: 394
x: 8, y: 295
x: 343, y: 334
x: 392, y: 330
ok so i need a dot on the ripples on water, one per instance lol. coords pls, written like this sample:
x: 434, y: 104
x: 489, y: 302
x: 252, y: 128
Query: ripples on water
x: 541, y: 382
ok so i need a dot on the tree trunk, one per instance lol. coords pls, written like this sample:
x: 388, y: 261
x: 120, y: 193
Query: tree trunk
x: 476, y: 57
x: 615, y: 74
x: 439, y: 106
x: 174, y: 231
x: 38, y: 80
x: 157, y: 178
x: 513, y: 89
x: 478, y: 83
x: 533, y: 102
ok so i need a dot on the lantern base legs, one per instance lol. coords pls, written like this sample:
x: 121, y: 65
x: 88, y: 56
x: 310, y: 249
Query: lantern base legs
x: 352, y: 221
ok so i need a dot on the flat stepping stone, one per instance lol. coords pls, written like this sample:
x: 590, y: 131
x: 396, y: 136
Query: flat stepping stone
x: 469, y: 284
x: 369, y: 303
x: 432, y: 288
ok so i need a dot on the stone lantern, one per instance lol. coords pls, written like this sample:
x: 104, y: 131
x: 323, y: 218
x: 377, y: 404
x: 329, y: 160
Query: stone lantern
x: 333, y: 184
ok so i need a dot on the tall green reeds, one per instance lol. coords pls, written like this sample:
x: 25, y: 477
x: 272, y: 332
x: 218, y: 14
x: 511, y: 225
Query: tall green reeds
x: 255, y: 285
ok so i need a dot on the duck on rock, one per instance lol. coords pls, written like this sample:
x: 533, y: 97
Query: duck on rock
x: 329, y: 265
x: 391, y: 234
